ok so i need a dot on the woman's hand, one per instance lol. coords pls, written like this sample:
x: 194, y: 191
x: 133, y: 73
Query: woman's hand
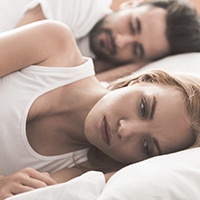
x: 23, y: 181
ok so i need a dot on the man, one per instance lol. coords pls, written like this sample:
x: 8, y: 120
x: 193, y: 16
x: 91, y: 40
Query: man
x: 134, y: 34
x: 147, y: 32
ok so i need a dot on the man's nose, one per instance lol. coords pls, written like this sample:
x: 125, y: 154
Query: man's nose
x: 122, y: 40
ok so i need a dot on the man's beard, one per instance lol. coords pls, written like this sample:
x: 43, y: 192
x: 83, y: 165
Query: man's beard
x: 96, y: 45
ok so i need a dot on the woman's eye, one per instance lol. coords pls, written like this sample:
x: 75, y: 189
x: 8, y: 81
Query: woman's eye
x: 143, y: 108
x: 146, y: 148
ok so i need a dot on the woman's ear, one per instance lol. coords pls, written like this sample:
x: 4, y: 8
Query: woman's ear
x: 130, y: 4
x: 133, y: 82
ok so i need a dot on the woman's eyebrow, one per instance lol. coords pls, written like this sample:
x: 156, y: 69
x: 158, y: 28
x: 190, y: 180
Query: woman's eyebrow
x: 153, y: 107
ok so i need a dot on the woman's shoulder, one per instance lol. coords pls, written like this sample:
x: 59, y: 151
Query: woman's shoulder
x: 62, y: 46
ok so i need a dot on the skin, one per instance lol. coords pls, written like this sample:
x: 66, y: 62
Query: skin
x: 61, y: 121
x: 23, y: 181
x: 120, y: 38
x: 132, y: 131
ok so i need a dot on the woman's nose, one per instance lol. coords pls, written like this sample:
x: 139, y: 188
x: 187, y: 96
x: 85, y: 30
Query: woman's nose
x: 122, y: 40
x: 125, y: 130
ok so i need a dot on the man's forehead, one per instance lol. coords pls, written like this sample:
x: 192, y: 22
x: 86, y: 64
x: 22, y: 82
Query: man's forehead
x: 153, y: 31
x: 147, y: 9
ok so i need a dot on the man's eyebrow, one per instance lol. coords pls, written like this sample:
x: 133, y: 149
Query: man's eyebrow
x: 138, y: 25
x: 153, y: 107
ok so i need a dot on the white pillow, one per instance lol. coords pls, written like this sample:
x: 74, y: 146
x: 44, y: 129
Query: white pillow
x: 184, y: 63
x: 168, y: 177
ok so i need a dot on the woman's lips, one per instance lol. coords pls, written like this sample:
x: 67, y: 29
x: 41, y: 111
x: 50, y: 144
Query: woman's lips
x: 105, y: 131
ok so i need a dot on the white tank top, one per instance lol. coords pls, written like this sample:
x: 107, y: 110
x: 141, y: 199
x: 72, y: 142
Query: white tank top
x: 18, y: 91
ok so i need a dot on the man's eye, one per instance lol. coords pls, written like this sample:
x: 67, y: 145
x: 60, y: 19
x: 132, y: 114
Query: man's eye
x: 132, y: 29
x: 143, y: 108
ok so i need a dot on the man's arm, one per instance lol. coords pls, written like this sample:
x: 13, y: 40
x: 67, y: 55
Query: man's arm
x: 32, y: 15
x: 118, y: 72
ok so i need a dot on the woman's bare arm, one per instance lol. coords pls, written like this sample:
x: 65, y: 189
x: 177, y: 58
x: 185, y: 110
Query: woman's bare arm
x: 46, y: 43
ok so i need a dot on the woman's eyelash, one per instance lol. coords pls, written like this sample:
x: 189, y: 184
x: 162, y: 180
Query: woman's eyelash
x: 143, y: 108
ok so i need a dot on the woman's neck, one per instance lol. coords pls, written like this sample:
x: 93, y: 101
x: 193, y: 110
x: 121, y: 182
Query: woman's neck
x: 78, y: 100
x: 59, y: 116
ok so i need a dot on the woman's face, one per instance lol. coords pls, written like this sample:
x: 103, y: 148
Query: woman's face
x: 139, y: 121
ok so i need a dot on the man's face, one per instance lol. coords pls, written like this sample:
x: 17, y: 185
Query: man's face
x: 131, y: 35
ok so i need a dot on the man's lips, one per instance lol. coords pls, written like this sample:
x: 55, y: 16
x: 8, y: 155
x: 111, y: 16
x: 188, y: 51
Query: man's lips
x: 106, y: 42
x: 105, y: 131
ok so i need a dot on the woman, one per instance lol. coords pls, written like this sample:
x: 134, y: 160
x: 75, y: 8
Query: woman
x: 53, y: 110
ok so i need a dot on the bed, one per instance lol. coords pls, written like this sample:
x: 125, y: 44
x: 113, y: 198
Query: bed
x: 169, y: 177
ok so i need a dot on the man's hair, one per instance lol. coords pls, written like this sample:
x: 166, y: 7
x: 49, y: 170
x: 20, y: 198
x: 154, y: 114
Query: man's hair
x: 183, y: 25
